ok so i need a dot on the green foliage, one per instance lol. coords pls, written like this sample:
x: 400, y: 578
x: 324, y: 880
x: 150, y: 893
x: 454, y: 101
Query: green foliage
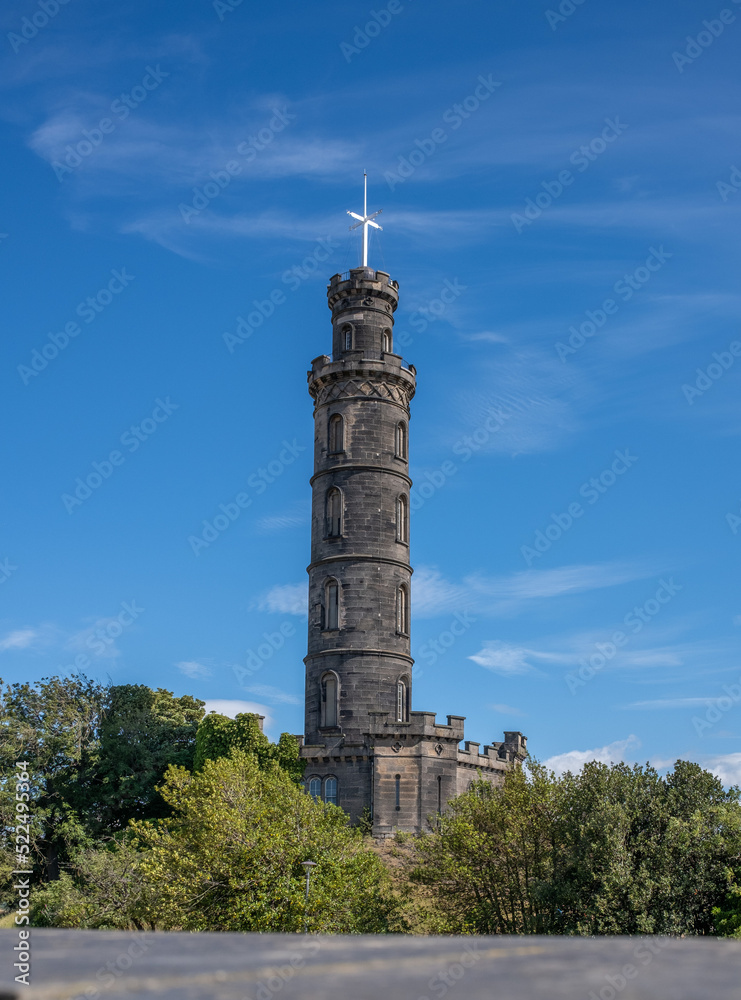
x: 727, y: 918
x: 612, y: 850
x: 100, y: 888
x: 218, y: 736
x: 141, y: 734
x: 230, y: 857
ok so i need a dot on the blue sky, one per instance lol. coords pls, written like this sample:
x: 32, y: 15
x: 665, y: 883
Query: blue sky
x: 561, y: 201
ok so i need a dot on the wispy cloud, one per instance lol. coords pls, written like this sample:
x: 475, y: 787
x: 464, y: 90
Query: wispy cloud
x: 272, y: 694
x: 433, y: 595
x: 19, y: 639
x: 507, y: 710
x: 193, y: 669
x: 294, y: 516
x: 286, y: 599
x: 574, y: 760
x: 509, y: 660
x: 673, y: 703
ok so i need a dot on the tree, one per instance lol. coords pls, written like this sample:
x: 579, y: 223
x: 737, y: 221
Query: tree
x: 230, y: 856
x: 611, y: 850
x: 53, y: 725
x: 142, y: 732
x: 218, y: 735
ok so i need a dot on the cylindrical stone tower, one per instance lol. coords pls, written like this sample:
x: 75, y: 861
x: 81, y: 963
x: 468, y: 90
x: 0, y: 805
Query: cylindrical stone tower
x: 359, y: 661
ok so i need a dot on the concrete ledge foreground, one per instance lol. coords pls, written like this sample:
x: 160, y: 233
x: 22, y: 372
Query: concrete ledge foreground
x: 96, y: 965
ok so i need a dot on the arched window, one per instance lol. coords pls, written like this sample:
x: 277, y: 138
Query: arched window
x: 402, y: 519
x: 346, y: 335
x: 334, y: 513
x: 402, y: 610
x: 397, y: 782
x: 387, y: 341
x: 401, y: 440
x: 332, y: 604
x: 329, y: 699
x: 315, y: 788
x: 330, y: 790
x: 336, y: 434
x: 402, y: 712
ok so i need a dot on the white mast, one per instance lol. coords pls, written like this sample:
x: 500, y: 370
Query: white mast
x: 365, y: 220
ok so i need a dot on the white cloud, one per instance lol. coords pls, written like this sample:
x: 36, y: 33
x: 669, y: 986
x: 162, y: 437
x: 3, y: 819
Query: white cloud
x: 193, y: 669
x: 292, y: 517
x: 286, y: 599
x: 574, y: 760
x: 502, y: 658
x: 726, y: 767
x: 273, y: 694
x: 433, y: 595
x: 19, y: 639
x: 506, y: 710
x: 673, y: 703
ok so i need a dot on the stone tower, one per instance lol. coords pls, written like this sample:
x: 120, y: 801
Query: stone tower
x: 364, y: 747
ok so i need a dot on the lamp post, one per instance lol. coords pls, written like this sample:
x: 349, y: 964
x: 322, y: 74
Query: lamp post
x: 308, y: 865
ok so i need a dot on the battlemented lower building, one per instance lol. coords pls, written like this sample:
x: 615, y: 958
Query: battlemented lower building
x: 364, y: 747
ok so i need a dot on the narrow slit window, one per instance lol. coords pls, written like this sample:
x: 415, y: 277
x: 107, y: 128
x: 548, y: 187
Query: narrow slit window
x: 330, y: 700
x: 401, y: 702
x: 439, y: 794
x: 334, y: 513
x: 397, y: 782
x: 402, y: 519
x: 401, y: 440
x: 402, y: 610
x: 336, y: 434
x: 346, y: 338
x: 332, y: 603
x: 387, y: 341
